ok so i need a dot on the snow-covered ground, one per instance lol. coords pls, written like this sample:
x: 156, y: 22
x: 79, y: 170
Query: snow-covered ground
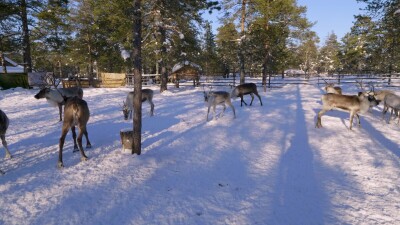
x: 270, y: 165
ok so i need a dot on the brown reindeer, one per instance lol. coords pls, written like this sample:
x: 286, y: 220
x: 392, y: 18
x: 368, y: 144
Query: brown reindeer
x: 245, y: 89
x: 76, y: 113
x: 330, y: 88
x: 4, y: 122
x: 352, y: 103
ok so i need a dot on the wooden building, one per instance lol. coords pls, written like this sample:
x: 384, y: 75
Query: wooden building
x: 185, y: 71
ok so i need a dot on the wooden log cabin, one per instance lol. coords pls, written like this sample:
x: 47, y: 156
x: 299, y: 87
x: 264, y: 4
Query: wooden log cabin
x: 185, y: 71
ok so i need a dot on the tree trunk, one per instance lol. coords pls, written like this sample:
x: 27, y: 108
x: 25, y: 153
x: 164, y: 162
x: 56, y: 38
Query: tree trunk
x: 241, y: 54
x: 25, y: 38
x: 3, y: 62
x: 163, y: 51
x: 137, y: 72
x: 264, y: 76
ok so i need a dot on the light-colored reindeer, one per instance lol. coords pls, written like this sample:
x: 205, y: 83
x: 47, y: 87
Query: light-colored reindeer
x: 330, y: 88
x: 214, y: 98
x: 76, y: 113
x: 127, y: 107
x: 55, y: 96
x: 245, y: 89
x: 4, y: 122
x: 391, y: 101
x: 353, y: 103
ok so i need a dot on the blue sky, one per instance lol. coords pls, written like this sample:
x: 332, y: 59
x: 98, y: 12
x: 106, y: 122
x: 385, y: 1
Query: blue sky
x: 330, y: 16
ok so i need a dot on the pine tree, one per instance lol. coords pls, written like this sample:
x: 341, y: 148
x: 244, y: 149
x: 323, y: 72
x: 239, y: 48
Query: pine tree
x: 51, y: 34
x: 227, y: 47
x: 329, y: 55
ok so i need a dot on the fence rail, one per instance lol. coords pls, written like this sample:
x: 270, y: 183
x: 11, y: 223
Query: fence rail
x: 277, y: 81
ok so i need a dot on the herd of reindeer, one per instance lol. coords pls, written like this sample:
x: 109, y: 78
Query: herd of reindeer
x: 76, y: 110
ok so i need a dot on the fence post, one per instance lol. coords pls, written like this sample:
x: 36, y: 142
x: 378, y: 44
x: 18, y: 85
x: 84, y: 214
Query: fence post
x: 269, y: 80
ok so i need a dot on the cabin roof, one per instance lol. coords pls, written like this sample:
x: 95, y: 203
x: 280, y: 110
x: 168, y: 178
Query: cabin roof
x: 12, y: 66
x: 180, y: 65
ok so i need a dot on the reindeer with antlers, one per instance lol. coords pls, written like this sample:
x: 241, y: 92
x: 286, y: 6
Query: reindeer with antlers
x: 331, y: 88
x: 354, y: 104
x: 55, y: 96
x: 214, y: 98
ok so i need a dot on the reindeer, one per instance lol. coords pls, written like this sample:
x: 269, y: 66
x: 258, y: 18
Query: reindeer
x: 55, y: 97
x: 76, y: 113
x: 214, y: 98
x: 352, y: 103
x: 127, y: 107
x: 4, y: 122
x: 245, y: 89
x: 330, y: 88
x: 391, y: 101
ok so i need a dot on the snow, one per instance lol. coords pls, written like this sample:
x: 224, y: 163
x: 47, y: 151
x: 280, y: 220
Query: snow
x: 270, y: 165
x: 180, y: 65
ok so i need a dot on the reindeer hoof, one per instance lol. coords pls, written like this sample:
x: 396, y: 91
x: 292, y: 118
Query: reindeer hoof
x: 88, y: 146
x: 8, y: 156
x: 84, y: 159
x: 1, y: 172
x: 60, y: 165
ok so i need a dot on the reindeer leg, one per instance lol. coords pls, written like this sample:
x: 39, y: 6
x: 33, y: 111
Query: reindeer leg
x: 351, y: 119
x: 214, y: 111
x: 3, y: 140
x: 223, y: 110
x: 74, y: 137
x: 208, y: 111
x: 233, y: 109
x: 151, y: 109
x: 398, y: 114
x: 60, y: 110
x: 259, y: 98
x: 88, y: 144
x: 319, y: 123
x: 79, y: 139
x: 358, y: 118
x: 252, y: 98
x: 385, y: 109
x: 241, y: 100
x: 64, y: 132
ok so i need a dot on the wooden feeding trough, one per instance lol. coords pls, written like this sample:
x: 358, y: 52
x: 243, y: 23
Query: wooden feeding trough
x: 186, y: 71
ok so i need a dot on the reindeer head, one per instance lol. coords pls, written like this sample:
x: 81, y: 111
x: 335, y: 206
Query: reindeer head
x: 42, y: 93
x: 125, y: 110
x: 370, y: 95
x: 206, y: 94
x: 328, y: 85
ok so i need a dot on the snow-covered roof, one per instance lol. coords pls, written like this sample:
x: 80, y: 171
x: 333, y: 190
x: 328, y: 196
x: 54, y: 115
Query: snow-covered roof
x: 294, y: 71
x: 180, y: 65
x: 12, y: 66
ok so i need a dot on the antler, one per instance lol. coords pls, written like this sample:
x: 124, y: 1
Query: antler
x: 360, y: 83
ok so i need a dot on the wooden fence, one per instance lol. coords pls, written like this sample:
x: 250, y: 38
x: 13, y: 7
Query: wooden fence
x: 277, y: 81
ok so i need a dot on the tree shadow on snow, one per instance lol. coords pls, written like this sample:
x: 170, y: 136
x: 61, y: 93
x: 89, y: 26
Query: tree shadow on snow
x: 299, y: 196
x: 380, y: 138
